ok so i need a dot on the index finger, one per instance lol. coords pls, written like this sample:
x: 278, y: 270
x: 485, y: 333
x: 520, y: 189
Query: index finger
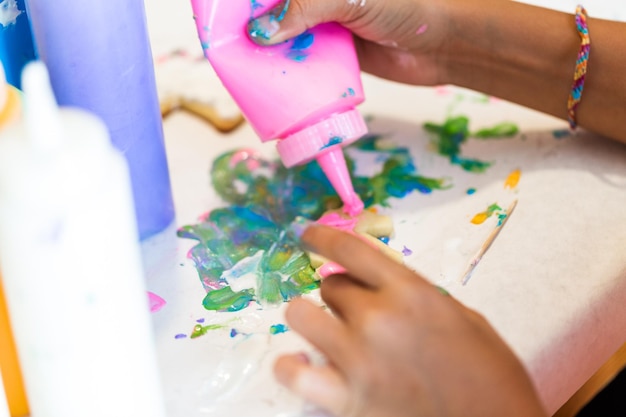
x: 364, y: 263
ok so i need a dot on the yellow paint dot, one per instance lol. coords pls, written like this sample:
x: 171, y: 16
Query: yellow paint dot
x: 513, y: 179
x: 373, y: 210
x: 480, y: 218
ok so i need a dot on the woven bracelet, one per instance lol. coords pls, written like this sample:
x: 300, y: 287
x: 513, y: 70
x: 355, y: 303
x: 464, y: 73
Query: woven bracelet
x: 581, y: 66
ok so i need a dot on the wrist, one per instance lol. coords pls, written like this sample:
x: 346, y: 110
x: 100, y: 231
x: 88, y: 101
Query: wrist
x: 520, y: 53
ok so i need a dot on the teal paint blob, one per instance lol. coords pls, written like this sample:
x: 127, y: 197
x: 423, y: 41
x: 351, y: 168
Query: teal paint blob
x: 349, y: 93
x: 332, y: 142
x: 264, y: 199
x: 278, y: 329
x: 561, y: 133
x: 454, y: 132
x: 471, y: 191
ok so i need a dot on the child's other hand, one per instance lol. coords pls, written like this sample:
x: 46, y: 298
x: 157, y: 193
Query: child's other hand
x: 398, y: 347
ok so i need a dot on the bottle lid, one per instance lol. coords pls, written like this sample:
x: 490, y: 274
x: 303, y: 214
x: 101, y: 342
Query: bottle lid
x: 340, y: 129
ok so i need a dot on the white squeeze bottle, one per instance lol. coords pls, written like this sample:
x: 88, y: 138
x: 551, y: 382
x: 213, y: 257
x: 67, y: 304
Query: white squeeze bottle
x: 71, y: 264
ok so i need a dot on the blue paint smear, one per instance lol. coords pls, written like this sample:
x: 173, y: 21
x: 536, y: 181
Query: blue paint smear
x: 180, y: 336
x: 300, y: 44
x: 384, y: 239
x: 471, y: 191
x: 233, y: 332
x: 303, y: 41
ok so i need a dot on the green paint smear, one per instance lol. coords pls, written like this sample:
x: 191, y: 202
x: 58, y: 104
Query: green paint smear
x: 263, y: 200
x: 199, y: 330
x: 502, y: 130
x: 454, y: 132
x: 492, y: 209
x: 224, y: 299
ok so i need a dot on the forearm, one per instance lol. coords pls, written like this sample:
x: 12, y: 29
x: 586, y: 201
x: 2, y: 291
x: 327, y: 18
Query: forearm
x: 527, y: 55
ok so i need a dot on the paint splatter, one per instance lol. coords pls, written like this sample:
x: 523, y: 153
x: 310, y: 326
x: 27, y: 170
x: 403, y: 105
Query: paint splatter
x: 449, y: 136
x: 406, y: 251
x: 448, y: 139
x: 299, y: 48
x: 513, y: 179
x: 264, y: 198
x: 384, y: 239
x: 278, y: 329
x: 493, y: 209
x: 501, y: 130
x: 200, y: 330
x: 155, y: 302
x: 180, y: 336
x: 332, y: 142
x: 349, y: 93
x: 470, y: 191
x: 561, y: 133
x: 398, y: 177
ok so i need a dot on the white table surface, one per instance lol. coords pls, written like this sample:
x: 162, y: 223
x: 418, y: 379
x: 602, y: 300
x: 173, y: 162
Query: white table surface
x: 553, y: 284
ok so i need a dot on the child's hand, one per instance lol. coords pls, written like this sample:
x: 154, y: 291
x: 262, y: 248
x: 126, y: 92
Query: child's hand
x: 399, y: 40
x: 396, y: 346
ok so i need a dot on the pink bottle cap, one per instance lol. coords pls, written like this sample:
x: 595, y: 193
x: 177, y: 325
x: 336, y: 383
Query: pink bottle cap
x: 304, y: 146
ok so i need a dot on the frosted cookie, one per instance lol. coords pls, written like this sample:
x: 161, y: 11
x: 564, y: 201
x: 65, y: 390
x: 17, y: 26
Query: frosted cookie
x: 368, y: 225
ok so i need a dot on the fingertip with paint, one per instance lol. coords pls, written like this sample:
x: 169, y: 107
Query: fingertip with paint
x: 263, y: 28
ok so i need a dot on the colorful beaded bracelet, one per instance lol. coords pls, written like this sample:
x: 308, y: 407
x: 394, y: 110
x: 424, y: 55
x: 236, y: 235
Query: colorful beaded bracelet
x: 581, y: 66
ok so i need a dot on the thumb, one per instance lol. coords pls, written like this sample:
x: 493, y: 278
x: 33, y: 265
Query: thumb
x: 290, y: 18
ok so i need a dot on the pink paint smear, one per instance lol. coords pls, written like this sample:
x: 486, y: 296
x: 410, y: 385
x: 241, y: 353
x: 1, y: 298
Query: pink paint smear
x: 156, y: 303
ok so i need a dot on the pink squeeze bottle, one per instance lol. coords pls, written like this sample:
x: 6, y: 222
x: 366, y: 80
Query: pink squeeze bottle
x: 302, y: 93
